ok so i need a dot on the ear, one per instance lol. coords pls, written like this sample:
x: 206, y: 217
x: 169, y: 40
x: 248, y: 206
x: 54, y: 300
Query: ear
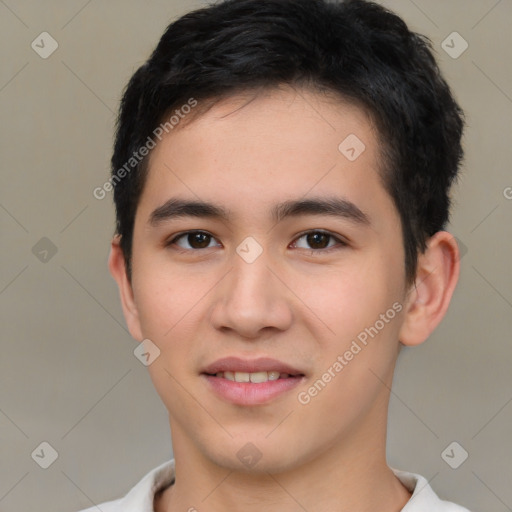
x: 117, y: 267
x: 429, y: 297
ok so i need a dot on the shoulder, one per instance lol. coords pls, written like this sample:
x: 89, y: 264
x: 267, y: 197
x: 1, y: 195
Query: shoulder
x: 140, y: 498
x: 423, y: 498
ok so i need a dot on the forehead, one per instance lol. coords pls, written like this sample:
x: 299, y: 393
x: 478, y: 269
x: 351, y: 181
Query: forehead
x: 253, y: 151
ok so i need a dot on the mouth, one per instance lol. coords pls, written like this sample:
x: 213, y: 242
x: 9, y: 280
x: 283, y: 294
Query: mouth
x: 258, y: 370
x: 253, y: 377
x: 251, y: 382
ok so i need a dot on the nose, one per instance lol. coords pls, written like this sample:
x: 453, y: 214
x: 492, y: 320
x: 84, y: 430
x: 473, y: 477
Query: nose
x: 252, y: 299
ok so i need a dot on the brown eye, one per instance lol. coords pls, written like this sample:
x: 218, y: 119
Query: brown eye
x: 194, y: 239
x: 319, y: 241
x: 201, y: 239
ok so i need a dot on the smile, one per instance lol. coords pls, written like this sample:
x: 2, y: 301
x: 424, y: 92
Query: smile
x: 249, y: 382
x: 253, y: 389
x: 255, y: 377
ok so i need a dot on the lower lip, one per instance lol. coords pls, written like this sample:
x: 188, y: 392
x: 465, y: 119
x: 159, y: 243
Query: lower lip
x: 249, y: 393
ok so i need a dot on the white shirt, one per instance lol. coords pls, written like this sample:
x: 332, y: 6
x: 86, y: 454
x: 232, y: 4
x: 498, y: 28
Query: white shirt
x: 140, y: 498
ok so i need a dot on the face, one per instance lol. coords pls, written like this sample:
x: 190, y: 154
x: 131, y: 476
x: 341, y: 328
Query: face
x: 292, y: 278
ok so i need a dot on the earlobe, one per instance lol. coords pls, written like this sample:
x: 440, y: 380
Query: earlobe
x: 117, y: 267
x: 429, y: 297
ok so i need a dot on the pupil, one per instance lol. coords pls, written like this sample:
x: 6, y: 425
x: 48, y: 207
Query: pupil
x: 313, y: 239
x: 199, y: 239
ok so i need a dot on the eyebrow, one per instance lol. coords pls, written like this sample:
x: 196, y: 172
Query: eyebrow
x: 333, y: 206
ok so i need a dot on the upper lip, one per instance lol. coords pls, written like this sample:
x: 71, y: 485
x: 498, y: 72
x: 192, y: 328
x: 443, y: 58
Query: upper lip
x: 261, y: 364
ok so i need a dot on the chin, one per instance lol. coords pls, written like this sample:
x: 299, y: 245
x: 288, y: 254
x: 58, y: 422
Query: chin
x: 258, y: 455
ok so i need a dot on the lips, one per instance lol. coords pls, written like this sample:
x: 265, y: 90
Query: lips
x: 236, y: 365
x: 251, y: 382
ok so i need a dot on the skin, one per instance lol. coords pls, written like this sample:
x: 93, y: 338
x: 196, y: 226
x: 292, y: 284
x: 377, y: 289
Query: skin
x: 294, y: 303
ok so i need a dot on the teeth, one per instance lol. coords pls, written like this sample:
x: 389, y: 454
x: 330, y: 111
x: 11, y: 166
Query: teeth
x: 255, y: 377
x: 242, y: 377
x: 258, y: 377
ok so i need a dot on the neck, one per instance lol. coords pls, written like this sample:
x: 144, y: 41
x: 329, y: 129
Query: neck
x: 350, y: 475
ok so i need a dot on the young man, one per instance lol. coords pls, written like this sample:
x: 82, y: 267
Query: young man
x: 281, y: 175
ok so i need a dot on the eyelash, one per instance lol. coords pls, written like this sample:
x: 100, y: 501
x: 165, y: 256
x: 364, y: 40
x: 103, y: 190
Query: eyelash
x: 341, y: 243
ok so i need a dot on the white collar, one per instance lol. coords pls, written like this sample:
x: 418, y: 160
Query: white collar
x: 141, y: 497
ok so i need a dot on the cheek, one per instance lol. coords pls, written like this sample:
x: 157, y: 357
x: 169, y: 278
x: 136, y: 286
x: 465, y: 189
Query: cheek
x: 348, y: 300
x: 166, y: 298
x: 356, y: 364
x: 170, y: 306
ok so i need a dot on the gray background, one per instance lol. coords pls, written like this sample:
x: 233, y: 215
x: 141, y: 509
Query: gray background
x: 68, y: 375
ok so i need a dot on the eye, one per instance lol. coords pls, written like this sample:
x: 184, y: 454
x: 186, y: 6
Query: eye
x: 319, y: 241
x: 194, y: 239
